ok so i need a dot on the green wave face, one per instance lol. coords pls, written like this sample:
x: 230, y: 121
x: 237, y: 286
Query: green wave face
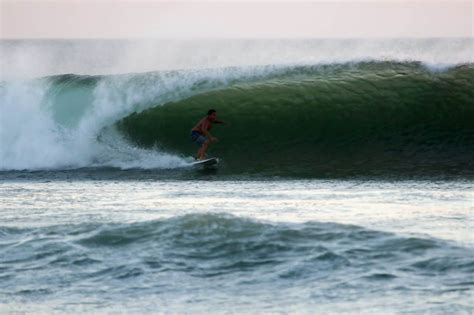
x: 366, y: 118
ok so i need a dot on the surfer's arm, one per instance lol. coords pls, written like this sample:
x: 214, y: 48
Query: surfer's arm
x: 209, y: 136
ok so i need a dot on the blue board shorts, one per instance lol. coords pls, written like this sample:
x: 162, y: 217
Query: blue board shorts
x: 198, y: 138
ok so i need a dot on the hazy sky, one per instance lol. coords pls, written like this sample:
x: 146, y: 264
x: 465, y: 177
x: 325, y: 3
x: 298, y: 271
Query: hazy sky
x: 226, y: 19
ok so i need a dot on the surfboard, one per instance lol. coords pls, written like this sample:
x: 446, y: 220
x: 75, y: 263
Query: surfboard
x: 207, y: 162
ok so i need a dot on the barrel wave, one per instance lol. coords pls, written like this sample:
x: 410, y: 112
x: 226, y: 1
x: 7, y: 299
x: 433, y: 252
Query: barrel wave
x: 340, y: 119
x: 326, y: 119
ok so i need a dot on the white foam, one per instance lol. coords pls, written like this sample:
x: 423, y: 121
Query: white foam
x: 29, y: 136
x: 31, y: 139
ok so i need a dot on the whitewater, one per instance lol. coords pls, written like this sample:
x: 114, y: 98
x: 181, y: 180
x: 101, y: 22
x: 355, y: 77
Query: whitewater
x: 345, y: 183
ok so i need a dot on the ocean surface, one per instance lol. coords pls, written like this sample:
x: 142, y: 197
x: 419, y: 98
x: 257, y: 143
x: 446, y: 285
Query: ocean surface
x: 345, y: 182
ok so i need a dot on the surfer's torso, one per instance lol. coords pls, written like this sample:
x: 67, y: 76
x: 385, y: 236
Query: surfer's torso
x: 203, y: 125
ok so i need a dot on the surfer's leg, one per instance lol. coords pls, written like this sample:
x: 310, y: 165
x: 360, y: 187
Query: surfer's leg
x: 203, y: 149
x: 201, y: 153
x: 203, y: 143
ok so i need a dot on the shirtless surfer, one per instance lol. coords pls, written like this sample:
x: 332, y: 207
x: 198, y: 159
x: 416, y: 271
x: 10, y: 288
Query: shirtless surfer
x: 200, y: 133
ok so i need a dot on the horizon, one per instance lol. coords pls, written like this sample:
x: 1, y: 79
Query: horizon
x: 236, y: 38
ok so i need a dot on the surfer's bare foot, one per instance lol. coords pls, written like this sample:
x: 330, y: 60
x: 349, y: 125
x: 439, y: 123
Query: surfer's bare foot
x: 201, y: 157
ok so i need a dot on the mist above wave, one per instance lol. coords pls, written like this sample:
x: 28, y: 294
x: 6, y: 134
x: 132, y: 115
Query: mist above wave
x: 34, y: 58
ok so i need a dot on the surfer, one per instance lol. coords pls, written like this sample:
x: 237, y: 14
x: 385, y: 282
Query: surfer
x: 200, y: 133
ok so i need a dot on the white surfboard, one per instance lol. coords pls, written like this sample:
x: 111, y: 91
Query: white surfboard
x: 206, y: 163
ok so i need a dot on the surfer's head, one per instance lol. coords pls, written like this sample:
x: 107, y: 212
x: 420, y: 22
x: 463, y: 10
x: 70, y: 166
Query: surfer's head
x: 212, y: 114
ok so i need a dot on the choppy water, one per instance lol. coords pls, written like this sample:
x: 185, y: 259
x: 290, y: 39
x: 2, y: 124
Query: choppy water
x: 324, y: 246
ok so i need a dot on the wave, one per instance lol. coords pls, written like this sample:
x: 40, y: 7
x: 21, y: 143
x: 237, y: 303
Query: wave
x: 370, y: 118
x: 148, y: 264
x: 290, y: 120
x: 225, y: 247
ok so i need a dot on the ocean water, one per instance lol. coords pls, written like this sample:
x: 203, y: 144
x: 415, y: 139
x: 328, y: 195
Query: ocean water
x: 345, y: 183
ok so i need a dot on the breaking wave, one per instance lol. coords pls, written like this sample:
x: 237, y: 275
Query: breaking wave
x: 367, y: 117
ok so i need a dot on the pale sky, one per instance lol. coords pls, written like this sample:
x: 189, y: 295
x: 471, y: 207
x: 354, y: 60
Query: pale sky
x: 235, y: 19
